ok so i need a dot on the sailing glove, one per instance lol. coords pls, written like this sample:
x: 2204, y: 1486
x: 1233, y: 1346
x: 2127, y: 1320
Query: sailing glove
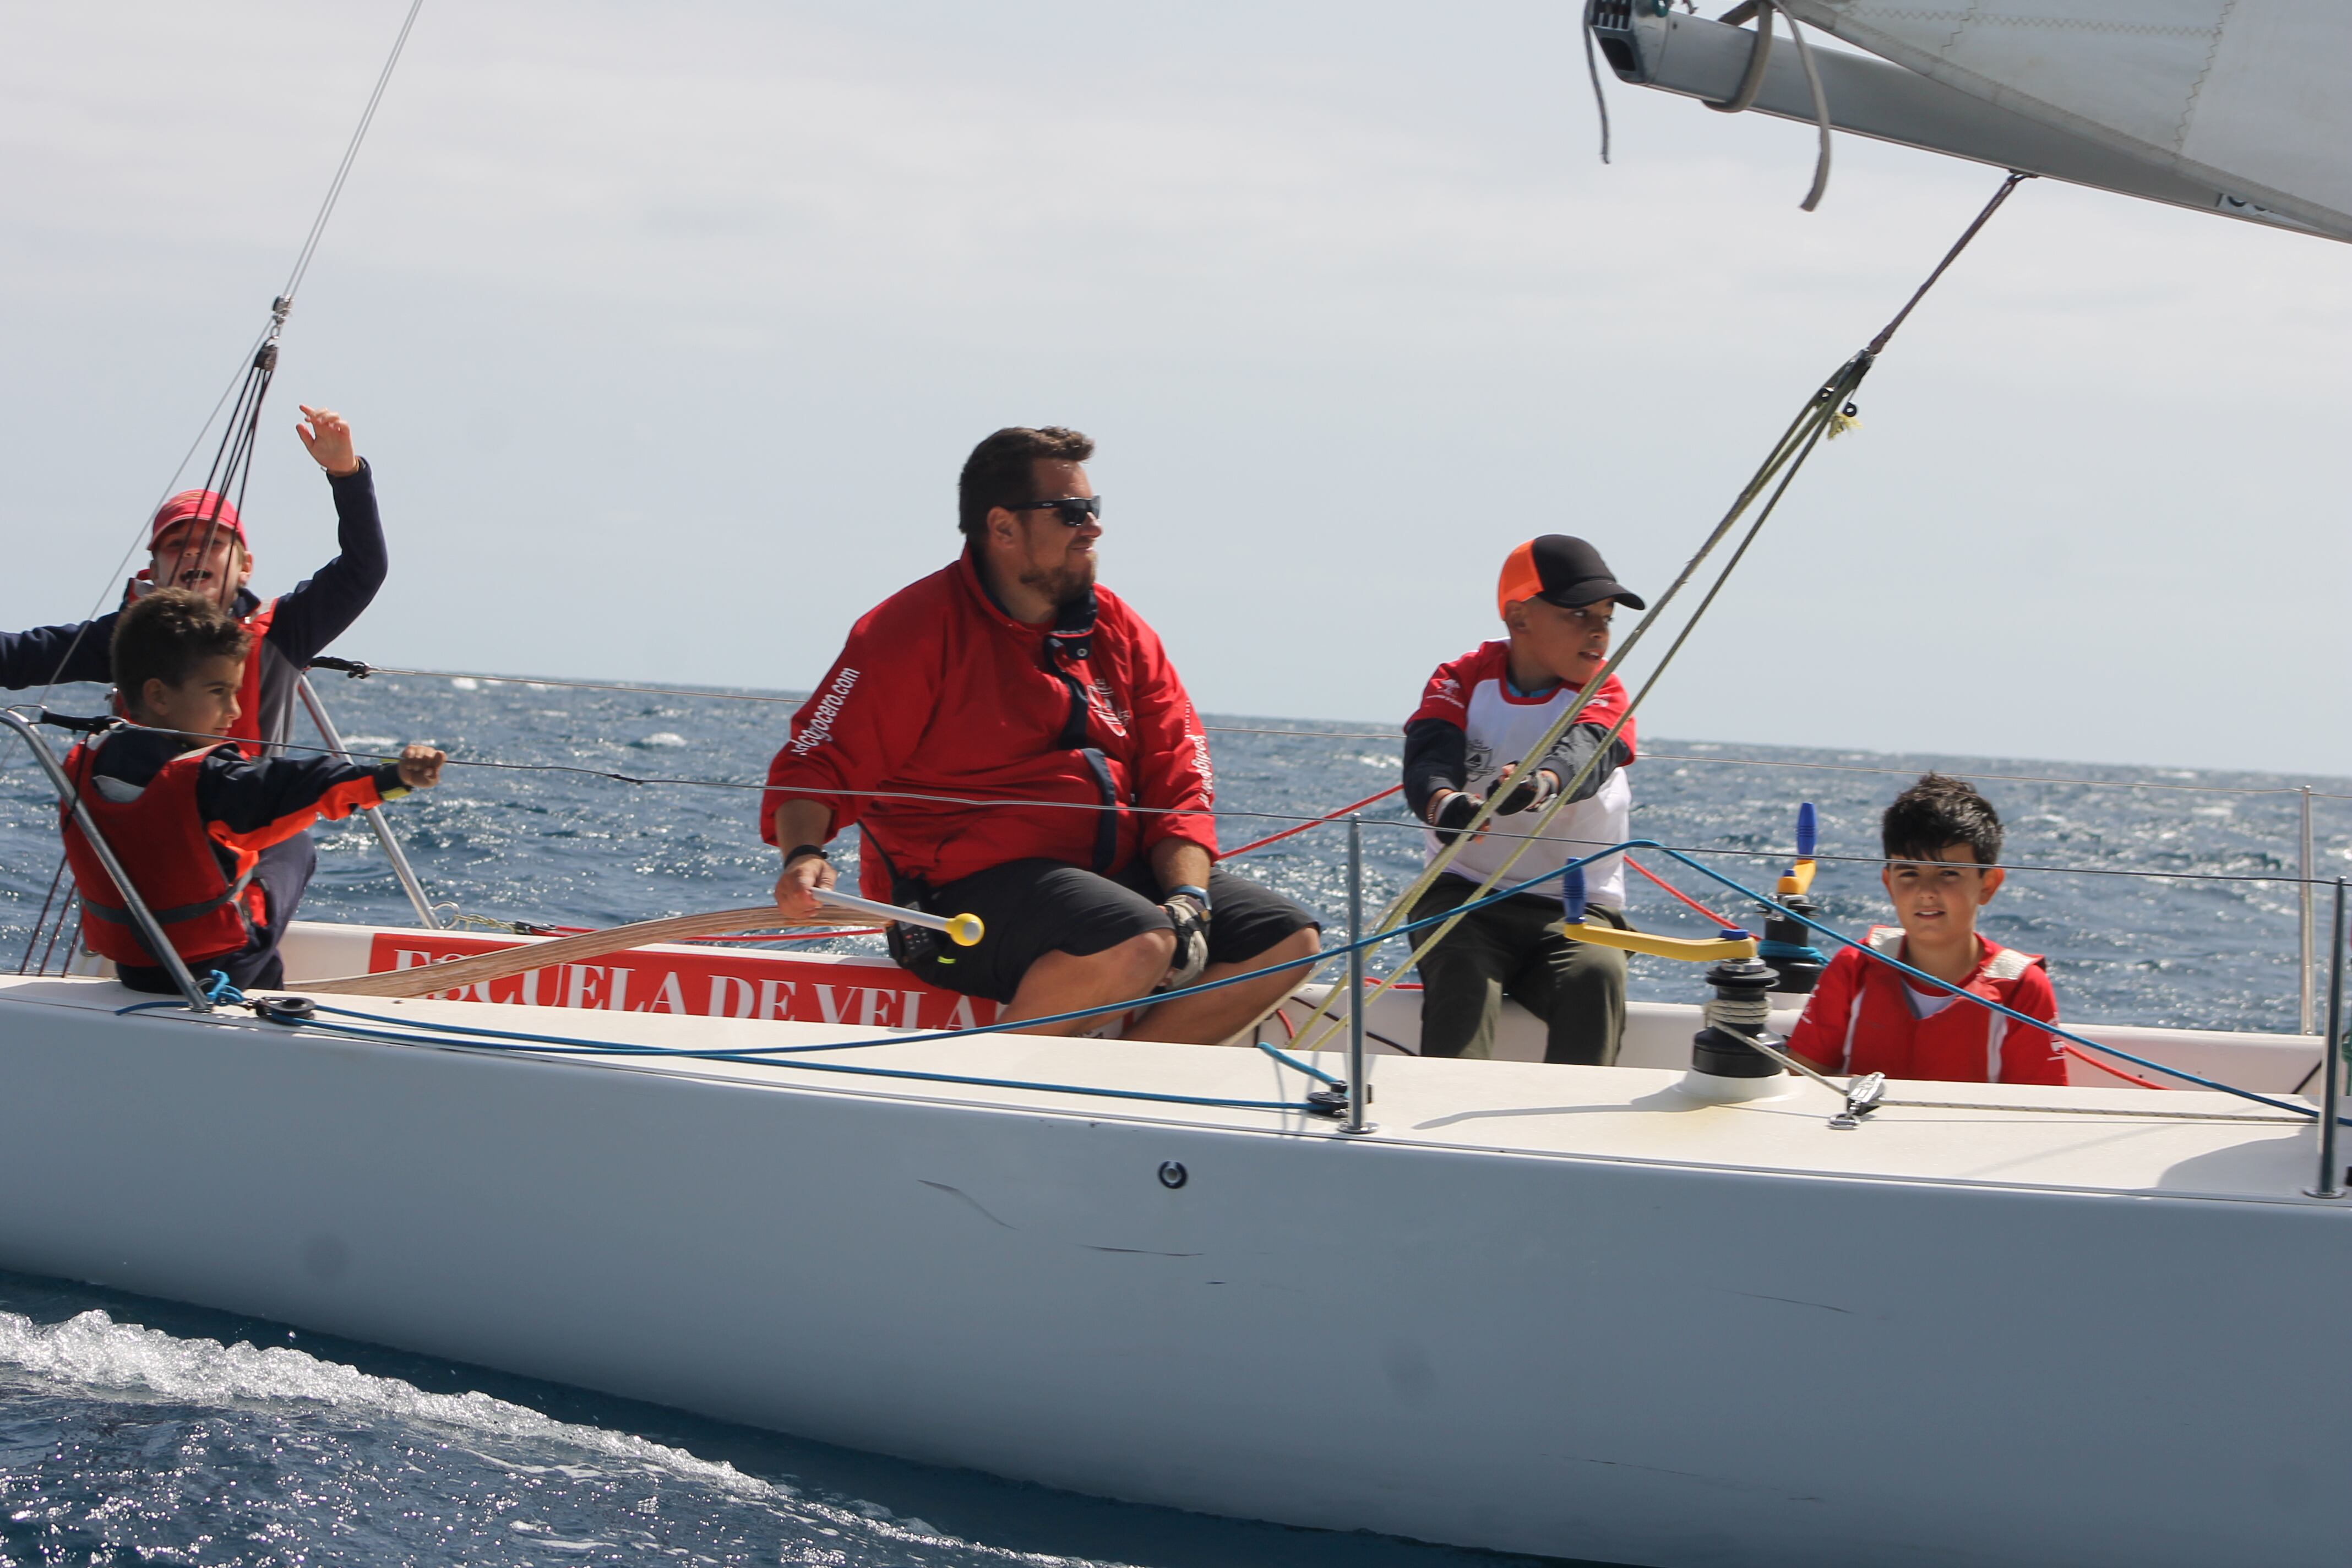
x: 1191, y: 918
x: 1451, y: 813
x: 1529, y: 793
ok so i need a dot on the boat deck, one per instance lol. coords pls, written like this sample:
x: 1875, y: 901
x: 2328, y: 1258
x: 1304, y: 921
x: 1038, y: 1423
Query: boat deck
x: 2122, y: 1141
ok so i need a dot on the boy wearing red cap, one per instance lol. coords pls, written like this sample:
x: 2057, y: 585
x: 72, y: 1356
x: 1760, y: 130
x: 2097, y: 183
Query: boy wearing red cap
x: 198, y: 541
x: 1469, y: 738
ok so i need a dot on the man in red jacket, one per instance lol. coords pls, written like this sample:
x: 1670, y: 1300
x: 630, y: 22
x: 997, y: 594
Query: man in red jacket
x: 1009, y: 678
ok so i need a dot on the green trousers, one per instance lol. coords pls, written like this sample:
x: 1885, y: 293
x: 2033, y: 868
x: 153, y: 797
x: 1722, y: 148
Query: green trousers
x: 1577, y: 989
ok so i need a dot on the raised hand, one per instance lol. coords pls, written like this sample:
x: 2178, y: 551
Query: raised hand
x: 327, y: 437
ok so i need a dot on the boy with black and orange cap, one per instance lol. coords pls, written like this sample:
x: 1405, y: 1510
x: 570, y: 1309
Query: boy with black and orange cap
x: 188, y: 815
x: 1469, y: 738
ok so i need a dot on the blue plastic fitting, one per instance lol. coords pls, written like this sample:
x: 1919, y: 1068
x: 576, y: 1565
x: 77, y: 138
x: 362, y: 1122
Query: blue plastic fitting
x: 1806, y: 830
x: 1571, y: 894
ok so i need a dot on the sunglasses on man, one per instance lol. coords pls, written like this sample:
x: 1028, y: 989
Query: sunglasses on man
x: 1071, y: 511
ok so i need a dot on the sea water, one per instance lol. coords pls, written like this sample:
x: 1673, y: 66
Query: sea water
x: 138, y: 1431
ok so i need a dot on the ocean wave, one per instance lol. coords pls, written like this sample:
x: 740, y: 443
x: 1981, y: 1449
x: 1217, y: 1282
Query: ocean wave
x: 571, y: 1466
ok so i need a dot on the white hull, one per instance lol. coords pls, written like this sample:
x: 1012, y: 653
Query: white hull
x: 1550, y: 1310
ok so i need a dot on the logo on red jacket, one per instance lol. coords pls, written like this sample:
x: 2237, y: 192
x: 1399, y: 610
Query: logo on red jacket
x: 819, y: 729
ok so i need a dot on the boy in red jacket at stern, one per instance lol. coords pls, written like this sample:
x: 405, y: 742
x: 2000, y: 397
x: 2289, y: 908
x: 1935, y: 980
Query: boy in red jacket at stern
x: 1942, y: 841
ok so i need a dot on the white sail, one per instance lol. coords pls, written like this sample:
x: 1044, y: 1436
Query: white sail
x: 2251, y: 96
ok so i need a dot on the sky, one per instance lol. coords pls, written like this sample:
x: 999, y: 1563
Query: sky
x: 665, y: 330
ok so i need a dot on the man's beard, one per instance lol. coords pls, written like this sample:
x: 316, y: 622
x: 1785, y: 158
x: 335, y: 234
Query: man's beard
x: 1061, y: 585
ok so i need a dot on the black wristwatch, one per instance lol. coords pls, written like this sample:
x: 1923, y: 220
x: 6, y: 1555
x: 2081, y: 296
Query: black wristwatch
x: 797, y: 851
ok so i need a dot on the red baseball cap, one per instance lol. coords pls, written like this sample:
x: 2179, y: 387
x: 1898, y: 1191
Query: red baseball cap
x: 208, y: 506
x: 1559, y: 570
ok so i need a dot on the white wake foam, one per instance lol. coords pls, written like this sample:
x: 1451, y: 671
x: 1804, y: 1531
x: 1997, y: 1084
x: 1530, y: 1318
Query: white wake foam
x: 93, y: 1352
x: 93, y: 1355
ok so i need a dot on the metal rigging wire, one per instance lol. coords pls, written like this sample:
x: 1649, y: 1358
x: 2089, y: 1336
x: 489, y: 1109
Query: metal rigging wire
x: 351, y: 155
x: 1393, y: 737
x: 983, y: 802
x: 232, y: 461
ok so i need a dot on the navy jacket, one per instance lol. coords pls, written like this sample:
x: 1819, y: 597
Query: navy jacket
x: 309, y: 616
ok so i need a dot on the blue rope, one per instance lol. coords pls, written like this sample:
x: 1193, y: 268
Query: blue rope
x: 215, y: 985
x: 565, y: 1045
x: 756, y: 1057
x: 534, y: 1044
x: 1984, y: 1002
x: 1286, y: 1059
x: 1109, y: 1007
x: 219, y: 990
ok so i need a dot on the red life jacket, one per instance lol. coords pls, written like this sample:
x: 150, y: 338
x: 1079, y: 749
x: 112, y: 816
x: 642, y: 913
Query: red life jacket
x: 165, y: 847
x: 247, y: 730
x: 1961, y: 1043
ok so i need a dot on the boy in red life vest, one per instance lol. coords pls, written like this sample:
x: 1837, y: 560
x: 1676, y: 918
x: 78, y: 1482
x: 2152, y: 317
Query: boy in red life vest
x: 1942, y: 841
x: 188, y: 813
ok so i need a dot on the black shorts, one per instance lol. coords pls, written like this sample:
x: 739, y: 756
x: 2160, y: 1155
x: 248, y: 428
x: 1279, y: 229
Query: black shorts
x: 1032, y: 908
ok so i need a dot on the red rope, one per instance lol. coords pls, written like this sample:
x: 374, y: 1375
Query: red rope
x: 1686, y: 897
x: 2081, y: 1054
x: 1274, y: 837
x: 1371, y: 799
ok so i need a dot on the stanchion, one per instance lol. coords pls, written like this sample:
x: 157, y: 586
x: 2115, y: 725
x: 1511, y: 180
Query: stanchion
x: 2331, y: 1094
x: 2304, y: 964
x: 1358, y: 1089
x: 401, y: 871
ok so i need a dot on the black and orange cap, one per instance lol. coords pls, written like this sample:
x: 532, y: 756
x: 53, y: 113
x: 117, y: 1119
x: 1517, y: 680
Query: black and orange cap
x: 1559, y: 570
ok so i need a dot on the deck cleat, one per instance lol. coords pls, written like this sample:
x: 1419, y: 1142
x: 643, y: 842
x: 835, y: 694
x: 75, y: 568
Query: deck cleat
x: 1861, y: 1097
